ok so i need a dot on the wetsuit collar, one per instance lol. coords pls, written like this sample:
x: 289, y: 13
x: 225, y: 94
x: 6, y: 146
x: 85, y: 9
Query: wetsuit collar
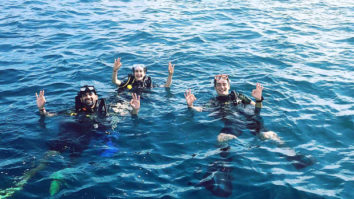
x: 90, y: 109
x: 223, y: 98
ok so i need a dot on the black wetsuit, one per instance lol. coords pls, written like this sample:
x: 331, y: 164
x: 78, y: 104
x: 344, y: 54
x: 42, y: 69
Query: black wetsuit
x: 100, y: 107
x: 234, y: 98
x: 75, y: 136
x: 239, y: 120
x: 135, y: 85
x: 218, y: 178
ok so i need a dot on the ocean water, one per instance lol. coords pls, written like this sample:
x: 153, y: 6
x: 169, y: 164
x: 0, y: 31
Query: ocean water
x: 301, y: 51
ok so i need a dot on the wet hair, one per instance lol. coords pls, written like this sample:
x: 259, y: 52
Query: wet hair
x: 228, y: 81
x: 137, y: 66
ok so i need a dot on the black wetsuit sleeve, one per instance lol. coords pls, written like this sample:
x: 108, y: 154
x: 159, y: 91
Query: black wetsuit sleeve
x: 102, y: 108
x: 210, y: 105
x: 149, y: 83
x: 244, y: 98
x: 126, y: 82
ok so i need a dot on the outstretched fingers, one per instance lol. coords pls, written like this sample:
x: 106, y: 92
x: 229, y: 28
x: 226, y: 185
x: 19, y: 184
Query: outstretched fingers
x: 187, y: 93
x: 134, y: 96
x: 41, y: 94
x: 135, y: 99
x: 132, y: 100
x: 257, y: 93
x: 117, y: 63
x: 40, y: 99
x: 190, y: 98
x: 171, y: 67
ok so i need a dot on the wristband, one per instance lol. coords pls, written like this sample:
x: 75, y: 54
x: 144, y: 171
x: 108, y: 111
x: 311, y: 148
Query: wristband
x: 258, y: 101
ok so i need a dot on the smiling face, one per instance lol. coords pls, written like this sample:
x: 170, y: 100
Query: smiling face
x: 222, y: 87
x: 139, y: 73
x: 89, y: 99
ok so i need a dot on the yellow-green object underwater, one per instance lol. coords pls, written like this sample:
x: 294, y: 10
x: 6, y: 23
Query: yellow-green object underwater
x: 56, y: 183
x: 6, y: 193
x: 54, y: 187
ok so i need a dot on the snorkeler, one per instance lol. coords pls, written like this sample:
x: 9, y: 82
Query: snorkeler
x: 74, y: 137
x: 222, y: 88
x: 217, y: 179
x: 139, y: 79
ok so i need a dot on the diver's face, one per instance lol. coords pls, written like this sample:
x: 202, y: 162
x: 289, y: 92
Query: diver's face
x: 222, y: 87
x: 89, y: 99
x: 139, y: 73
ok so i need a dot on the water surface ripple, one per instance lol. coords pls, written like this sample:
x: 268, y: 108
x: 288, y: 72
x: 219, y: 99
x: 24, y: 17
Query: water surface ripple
x: 302, y: 52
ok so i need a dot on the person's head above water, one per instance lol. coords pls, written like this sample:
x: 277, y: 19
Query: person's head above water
x: 139, y: 71
x: 88, y: 96
x: 222, y: 84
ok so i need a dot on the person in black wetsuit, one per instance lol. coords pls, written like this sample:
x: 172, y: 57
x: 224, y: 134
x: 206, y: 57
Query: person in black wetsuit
x: 224, y: 97
x: 74, y: 136
x: 89, y: 110
x: 138, y: 80
x: 87, y: 102
x: 218, y: 178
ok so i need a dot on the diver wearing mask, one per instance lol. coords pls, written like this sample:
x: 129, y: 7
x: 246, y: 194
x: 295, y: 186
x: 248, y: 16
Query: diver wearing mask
x: 87, y: 101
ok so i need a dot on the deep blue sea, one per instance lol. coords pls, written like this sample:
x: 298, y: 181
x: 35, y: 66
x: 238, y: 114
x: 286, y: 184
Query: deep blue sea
x: 301, y: 51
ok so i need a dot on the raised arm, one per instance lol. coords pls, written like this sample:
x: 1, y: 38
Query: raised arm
x: 257, y: 94
x: 190, y: 98
x: 40, y: 104
x: 116, y: 67
x: 135, y: 103
x: 171, y: 69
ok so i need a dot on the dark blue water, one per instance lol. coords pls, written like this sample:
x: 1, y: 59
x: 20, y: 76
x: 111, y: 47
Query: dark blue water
x: 301, y: 51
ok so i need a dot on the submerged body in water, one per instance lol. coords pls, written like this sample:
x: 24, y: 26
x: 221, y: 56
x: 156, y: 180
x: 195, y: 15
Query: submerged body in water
x: 237, y: 120
x: 87, y: 123
x: 239, y: 114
